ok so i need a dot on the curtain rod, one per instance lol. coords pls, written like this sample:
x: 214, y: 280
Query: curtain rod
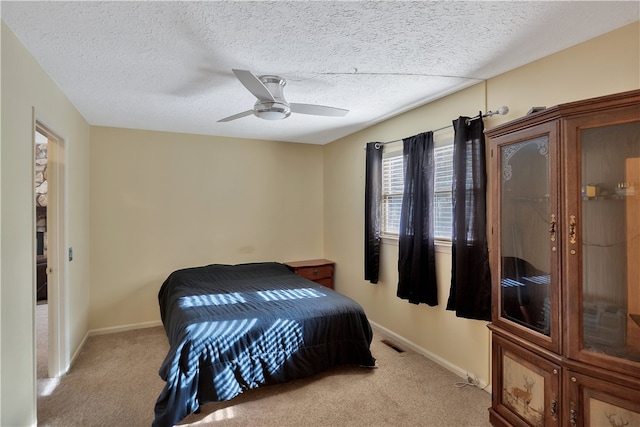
x: 500, y: 111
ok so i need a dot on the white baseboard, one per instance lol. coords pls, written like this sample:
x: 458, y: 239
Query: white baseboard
x: 482, y: 384
x: 104, y: 331
x: 77, y: 352
x: 123, y: 328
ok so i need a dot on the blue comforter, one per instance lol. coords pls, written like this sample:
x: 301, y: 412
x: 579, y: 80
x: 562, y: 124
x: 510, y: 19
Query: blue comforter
x: 237, y: 327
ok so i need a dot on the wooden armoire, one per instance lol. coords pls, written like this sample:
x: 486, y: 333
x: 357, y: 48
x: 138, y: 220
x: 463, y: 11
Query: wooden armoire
x: 565, y: 259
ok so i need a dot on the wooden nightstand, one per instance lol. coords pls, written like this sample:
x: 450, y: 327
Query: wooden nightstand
x: 318, y: 270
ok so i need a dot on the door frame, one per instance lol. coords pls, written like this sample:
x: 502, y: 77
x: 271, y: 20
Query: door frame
x: 57, y: 274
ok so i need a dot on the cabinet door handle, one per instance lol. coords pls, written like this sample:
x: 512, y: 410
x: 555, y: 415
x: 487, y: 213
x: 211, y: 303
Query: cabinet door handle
x: 572, y: 229
x: 552, y: 227
x: 573, y: 416
x: 554, y: 408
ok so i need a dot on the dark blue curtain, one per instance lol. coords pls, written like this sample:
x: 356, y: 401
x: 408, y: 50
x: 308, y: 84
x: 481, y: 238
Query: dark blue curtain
x: 372, y: 203
x: 470, y: 293
x: 416, y: 245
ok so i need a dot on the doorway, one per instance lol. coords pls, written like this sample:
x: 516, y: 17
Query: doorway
x: 42, y: 242
x: 49, y: 185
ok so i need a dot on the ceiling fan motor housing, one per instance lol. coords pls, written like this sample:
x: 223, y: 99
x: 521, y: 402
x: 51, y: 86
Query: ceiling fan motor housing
x: 273, y: 110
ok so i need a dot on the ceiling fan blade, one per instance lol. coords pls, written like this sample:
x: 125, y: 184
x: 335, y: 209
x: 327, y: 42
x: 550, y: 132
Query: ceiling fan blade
x: 317, y: 110
x: 254, y: 85
x: 236, y: 116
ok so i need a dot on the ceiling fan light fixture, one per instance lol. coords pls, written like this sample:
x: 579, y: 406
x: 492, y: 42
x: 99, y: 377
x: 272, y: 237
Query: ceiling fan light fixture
x: 271, y: 104
x: 271, y: 110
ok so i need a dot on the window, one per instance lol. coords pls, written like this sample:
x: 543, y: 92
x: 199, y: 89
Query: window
x: 393, y: 185
x: 442, y: 191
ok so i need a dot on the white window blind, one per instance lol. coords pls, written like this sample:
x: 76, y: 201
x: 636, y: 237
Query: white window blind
x: 443, y: 207
x: 393, y: 185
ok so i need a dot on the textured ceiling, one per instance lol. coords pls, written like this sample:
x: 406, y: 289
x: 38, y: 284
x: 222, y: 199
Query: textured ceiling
x: 167, y: 65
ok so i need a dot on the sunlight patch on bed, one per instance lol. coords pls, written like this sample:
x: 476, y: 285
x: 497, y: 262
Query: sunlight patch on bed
x: 289, y: 294
x: 211, y: 299
x: 266, y: 354
x: 228, y: 332
x: 278, y: 343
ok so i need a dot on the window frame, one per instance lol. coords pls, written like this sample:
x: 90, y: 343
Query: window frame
x: 394, y: 150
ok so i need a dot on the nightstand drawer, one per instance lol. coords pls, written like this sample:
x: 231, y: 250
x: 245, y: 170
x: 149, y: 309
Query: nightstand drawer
x: 316, y: 273
x: 328, y: 282
x: 318, y: 270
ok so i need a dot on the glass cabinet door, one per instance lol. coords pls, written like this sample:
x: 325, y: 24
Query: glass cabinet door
x: 527, y: 222
x: 603, y: 247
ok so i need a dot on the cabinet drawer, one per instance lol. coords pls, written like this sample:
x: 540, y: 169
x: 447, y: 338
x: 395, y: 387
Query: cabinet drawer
x: 318, y: 270
x: 316, y: 273
x: 328, y: 282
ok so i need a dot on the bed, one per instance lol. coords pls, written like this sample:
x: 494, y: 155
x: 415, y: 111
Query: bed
x: 233, y: 328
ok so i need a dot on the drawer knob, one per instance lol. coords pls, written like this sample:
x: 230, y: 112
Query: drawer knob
x: 316, y: 271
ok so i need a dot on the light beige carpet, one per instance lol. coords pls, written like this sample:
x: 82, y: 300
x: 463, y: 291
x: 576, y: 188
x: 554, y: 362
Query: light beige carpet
x: 115, y: 382
x: 42, y: 343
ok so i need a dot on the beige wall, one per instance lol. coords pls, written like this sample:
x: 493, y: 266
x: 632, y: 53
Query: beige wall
x: 26, y: 86
x: 604, y: 65
x: 162, y: 201
x: 607, y: 64
x: 435, y: 331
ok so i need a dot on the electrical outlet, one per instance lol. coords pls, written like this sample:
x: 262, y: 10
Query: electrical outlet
x: 472, y: 379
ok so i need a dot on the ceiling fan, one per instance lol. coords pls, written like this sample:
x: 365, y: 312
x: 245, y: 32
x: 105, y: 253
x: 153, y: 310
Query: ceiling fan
x: 271, y: 104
